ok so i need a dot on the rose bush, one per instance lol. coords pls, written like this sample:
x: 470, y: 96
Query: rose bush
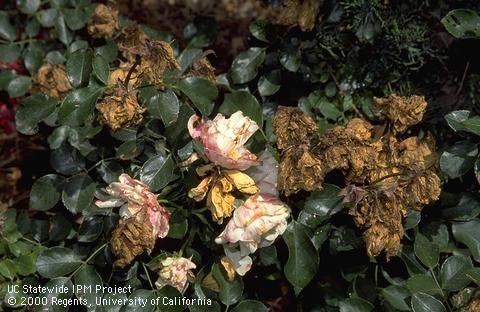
x: 281, y: 182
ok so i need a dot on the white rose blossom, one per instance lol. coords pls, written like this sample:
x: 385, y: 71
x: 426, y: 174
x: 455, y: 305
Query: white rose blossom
x: 176, y: 272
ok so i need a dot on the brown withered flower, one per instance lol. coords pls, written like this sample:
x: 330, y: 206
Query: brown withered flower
x: 52, y: 80
x: 120, y: 74
x: 104, y: 22
x: 297, y: 12
x: 130, y: 37
x: 402, y: 111
x: 474, y: 305
x: 299, y: 169
x: 201, y: 67
x: 129, y: 239
x: 120, y: 109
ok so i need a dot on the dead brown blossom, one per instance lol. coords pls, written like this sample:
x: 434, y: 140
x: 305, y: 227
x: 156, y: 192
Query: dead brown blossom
x: 52, y: 80
x: 130, y: 239
x: 131, y: 36
x: 474, y: 305
x: 120, y: 74
x: 297, y: 12
x: 201, y: 67
x: 120, y: 109
x: 402, y: 111
x: 104, y: 22
x: 385, y: 177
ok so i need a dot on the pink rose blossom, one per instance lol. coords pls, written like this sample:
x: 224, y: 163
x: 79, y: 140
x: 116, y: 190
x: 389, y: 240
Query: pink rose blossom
x: 223, y: 139
x: 256, y: 224
x: 176, y: 272
x: 134, y: 197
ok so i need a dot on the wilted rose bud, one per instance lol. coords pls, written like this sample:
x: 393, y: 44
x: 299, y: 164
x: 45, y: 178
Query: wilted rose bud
x: 121, y: 109
x: 137, y: 202
x: 52, y: 80
x: 223, y: 139
x: 176, y: 272
x: 104, y: 22
x: 256, y: 224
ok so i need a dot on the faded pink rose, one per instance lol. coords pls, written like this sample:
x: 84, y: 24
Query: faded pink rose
x: 256, y: 224
x: 265, y: 175
x: 176, y: 272
x: 223, y: 139
x: 134, y: 198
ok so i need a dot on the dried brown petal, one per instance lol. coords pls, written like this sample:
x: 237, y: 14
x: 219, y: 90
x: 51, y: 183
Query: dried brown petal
x: 209, y: 282
x: 198, y: 193
x: 380, y: 238
x: 129, y: 239
x: 300, y: 170
x: 229, y: 268
x: 120, y: 75
x: 131, y: 37
x: 104, y: 22
x: 423, y: 190
x: 52, y: 80
x: 157, y: 56
x: 201, y: 67
x: 120, y: 110
x: 402, y: 111
x: 241, y: 181
x: 297, y: 12
x: 293, y: 127
x: 474, y: 305
x: 220, y: 202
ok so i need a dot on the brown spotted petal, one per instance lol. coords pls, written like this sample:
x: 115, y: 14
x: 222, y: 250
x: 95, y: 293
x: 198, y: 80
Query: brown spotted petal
x: 129, y: 239
x: 199, y: 192
x: 104, y: 22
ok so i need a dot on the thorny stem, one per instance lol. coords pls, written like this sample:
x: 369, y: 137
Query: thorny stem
x: 130, y: 72
x: 148, y: 275
x: 186, y: 243
x: 88, y: 259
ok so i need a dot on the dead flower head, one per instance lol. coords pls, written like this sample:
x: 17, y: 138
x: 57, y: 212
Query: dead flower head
x: 52, y: 80
x: 402, y: 111
x: 201, y: 67
x: 297, y: 12
x: 131, y: 36
x: 223, y: 139
x: 120, y: 74
x: 120, y: 110
x: 104, y: 22
x: 129, y: 239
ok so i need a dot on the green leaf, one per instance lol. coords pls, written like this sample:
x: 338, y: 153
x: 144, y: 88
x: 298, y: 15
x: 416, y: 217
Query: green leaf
x: 200, y: 91
x: 242, y: 101
x: 250, y: 306
x: 7, y: 269
x: 64, y: 35
x: 57, y: 261
x: 47, y: 17
x: 18, y: 86
x: 78, y: 193
x: 110, y: 171
x: 230, y: 292
x: 270, y: 83
x: 324, y: 203
x: 452, y: 274
x: 31, y: 111
x: 422, y: 302
x: 474, y: 275
x: 462, y: 23
x: 78, y: 105
x: 34, y: 57
x: 423, y: 283
x: 396, y: 296
x: 28, y: 6
x: 165, y: 106
x: 355, y: 305
x: 303, y: 260
x: 90, y: 229
x: 129, y: 149
x: 86, y: 277
x: 9, y: 52
x: 468, y: 233
x: 7, y: 30
x: 54, y: 297
x: 467, y: 208
x: 101, y: 69
x: 25, y: 264
x: 426, y: 251
x: 79, y: 66
x: 46, y: 192
x: 245, y: 65
x: 76, y: 18
x: 458, y: 159
x: 108, y: 51
x: 157, y: 172
x: 66, y: 160
x: 258, y: 29
x: 291, y: 60
x: 461, y: 121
